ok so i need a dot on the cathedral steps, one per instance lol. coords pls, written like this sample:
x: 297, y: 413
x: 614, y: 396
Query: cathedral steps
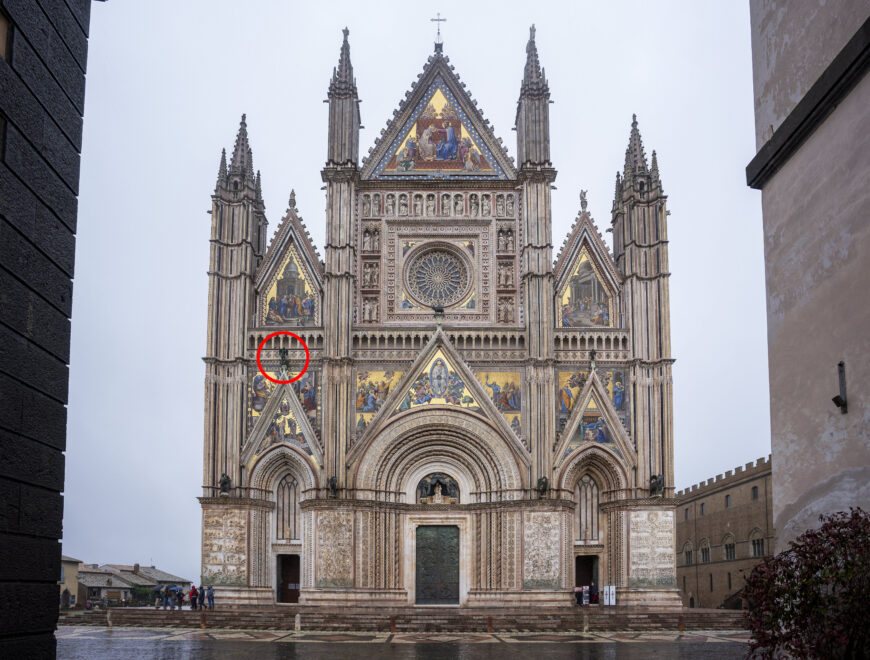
x: 412, y: 619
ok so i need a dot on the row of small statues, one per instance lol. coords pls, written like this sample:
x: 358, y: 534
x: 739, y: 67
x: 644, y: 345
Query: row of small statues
x: 476, y: 205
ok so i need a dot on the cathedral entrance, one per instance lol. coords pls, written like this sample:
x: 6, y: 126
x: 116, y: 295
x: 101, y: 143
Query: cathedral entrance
x: 585, y: 570
x: 288, y: 578
x: 437, y: 574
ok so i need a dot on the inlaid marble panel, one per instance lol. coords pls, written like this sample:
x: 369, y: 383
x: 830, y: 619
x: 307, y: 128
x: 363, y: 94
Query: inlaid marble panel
x: 652, y: 560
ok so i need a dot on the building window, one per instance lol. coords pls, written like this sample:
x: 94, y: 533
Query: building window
x: 755, y: 492
x: 4, y: 35
x: 705, y: 555
x: 703, y: 509
x: 587, y: 509
x: 684, y: 584
x: 687, y: 514
x: 688, y: 557
x: 730, y: 552
x: 757, y: 547
x: 287, y: 509
x: 711, y: 582
x: 727, y: 501
x: 729, y: 582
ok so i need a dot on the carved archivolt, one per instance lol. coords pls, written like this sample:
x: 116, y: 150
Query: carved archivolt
x: 604, y: 467
x: 462, y: 445
x: 274, y: 465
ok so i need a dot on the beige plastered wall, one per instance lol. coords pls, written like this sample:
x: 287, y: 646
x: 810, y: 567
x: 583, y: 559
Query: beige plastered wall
x: 793, y: 42
x: 817, y: 260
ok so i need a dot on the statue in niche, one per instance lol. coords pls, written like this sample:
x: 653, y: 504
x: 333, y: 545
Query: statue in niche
x: 333, y: 486
x: 485, y: 206
x: 403, y: 205
x: 225, y: 485
x: 474, y: 206
x: 542, y: 487
x: 376, y: 204
x: 391, y: 204
x: 510, y: 204
x: 430, y: 205
x: 505, y: 275
x: 445, y: 204
x: 376, y: 240
x: 500, y: 241
x: 458, y: 205
x: 438, y: 488
x: 367, y: 206
x: 367, y: 241
x: 505, y: 310
x: 418, y: 205
x: 657, y: 485
x: 499, y: 206
x: 509, y: 240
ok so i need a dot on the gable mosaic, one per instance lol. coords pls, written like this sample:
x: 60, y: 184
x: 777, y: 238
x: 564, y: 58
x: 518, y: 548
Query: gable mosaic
x: 290, y: 298
x: 584, y: 300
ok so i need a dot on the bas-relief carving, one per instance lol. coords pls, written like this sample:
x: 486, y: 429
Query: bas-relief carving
x: 224, y: 551
x: 542, y: 547
x: 651, y: 539
x: 335, y: 549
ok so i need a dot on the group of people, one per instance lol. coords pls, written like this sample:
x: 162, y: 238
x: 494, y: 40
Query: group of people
x: 173, y: 596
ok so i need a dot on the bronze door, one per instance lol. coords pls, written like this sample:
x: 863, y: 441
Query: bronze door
x: 437, y: 580
x: 288, y: 578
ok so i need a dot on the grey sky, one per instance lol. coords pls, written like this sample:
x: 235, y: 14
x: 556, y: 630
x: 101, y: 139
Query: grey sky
x: 167, y: 83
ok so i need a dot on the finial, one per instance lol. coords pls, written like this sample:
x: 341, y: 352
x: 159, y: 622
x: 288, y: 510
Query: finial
x: 583, y: 201
x: 292, y: 201
x: 532, y: 32
x: 345, y: 32
x: 633, y: 120
x: 438, y: 21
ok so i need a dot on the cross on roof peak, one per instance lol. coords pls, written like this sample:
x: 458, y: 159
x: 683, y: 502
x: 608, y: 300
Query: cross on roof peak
x: 438, y: 21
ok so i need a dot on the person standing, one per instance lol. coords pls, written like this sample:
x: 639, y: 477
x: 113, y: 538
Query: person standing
x: 201, y: 597
x: 165, y: 592
x: 193, y: 596
x: 210, y: 597
x: 180, y: 597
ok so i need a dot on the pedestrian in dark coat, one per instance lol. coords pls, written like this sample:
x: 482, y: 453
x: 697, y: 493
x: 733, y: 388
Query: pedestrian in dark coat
x: 201, y: 597
x: 210, y: 595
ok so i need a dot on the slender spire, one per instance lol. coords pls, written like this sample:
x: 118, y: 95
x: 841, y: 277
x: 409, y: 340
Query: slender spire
x: 635, y: 158
x: 343, y: 83
x: 617, y: 191
x: 242, y: 161
x: 258, y: 186
x: 534, y: 78
x: 222, y: 170
x: 654, y: 171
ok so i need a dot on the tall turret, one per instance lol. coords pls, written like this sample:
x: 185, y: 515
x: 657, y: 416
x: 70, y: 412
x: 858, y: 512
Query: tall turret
x: 237, y: 244
x: 341, y: 176
x: 640, y: 247
x: 344, y: 122
x: 536, y: 175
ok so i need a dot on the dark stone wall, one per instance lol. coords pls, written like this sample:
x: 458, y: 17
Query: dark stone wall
x: 42, y: 91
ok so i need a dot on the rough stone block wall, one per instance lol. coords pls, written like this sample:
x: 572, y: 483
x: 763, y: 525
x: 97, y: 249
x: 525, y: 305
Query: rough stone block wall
x: 43, y: 56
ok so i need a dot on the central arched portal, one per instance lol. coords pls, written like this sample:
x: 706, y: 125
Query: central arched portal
x: 441, y: 462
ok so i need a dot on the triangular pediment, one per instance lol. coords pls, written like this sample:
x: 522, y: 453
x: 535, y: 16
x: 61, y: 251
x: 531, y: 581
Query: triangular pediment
x: 282, y: 420
x: 593, y: 421
x: 587, y: 282
x: 438, y: 378
x: 289, y: 286
x: 438, y: 133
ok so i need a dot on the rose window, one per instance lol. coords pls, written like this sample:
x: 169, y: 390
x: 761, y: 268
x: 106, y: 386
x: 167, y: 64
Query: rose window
x: 437, y: 277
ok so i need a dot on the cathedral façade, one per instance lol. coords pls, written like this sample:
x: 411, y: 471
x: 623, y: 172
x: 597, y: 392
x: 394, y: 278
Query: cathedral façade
x: 478, y: 424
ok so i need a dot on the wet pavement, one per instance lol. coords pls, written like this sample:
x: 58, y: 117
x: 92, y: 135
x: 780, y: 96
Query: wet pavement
x: 81, y: 642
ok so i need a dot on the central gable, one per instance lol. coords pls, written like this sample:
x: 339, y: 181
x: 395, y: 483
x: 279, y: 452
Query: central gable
x: 438, y: 133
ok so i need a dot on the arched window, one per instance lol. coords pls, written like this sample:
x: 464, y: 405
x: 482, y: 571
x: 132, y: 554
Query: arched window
x: 587, y: 509
x: 704, y: 547
x: 729, y: 547
x: 757, y: 540
x: 687, y: 553
x: 287, y: 509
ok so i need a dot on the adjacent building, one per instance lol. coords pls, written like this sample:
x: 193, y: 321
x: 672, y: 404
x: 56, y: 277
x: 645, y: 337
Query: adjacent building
x: 812, y: 125
x: 477, y: 423
x: 724, y: 528
x: 103, y: 585
x: 69, y: 581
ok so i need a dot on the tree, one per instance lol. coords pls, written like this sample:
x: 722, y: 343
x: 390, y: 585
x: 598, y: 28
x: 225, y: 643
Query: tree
x: 813, y: 600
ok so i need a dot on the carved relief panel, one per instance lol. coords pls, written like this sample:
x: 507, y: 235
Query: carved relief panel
x: 224, y: 546
x: 652, y: 560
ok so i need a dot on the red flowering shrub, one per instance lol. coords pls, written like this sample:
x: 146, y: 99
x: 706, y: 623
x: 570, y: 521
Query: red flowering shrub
x: 813, y: 600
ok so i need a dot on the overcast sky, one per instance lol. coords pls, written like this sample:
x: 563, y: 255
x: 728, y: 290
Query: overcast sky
x: 167, y: 82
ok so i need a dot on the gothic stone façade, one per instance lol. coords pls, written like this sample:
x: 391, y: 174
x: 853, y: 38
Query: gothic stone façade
x: 454, y: 367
